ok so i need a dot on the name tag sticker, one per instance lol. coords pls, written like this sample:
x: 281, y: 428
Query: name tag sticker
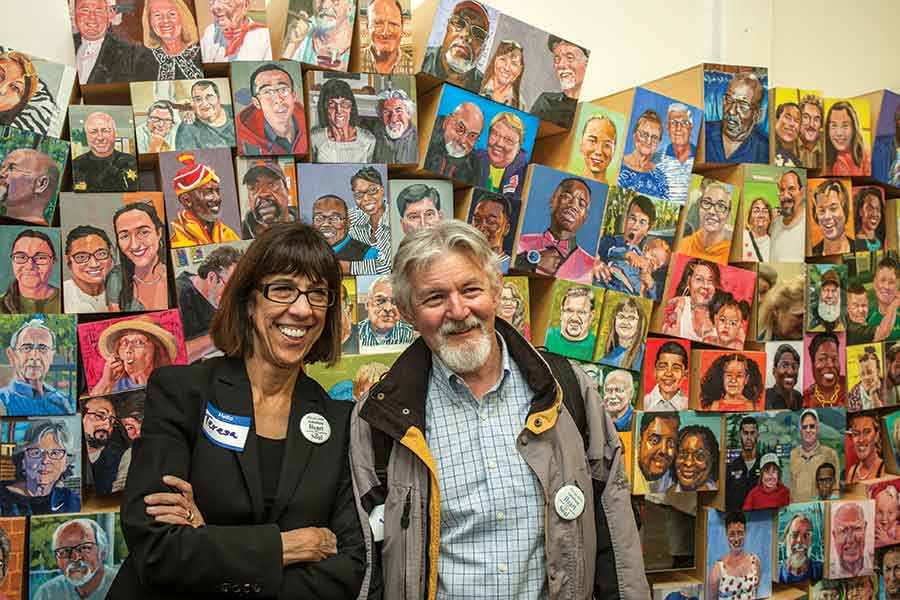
x: 569, y: 502
x: 225, y: 430
x: 315, y: 428
x: 376, y: 522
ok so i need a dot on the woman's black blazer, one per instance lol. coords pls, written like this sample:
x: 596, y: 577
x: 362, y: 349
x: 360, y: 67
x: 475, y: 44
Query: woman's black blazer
x: 238, y: 553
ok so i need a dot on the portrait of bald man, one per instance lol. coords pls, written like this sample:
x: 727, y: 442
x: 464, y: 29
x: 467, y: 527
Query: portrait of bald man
x: 450, y: 150
x: 29, y: 184
x: 103, y: 167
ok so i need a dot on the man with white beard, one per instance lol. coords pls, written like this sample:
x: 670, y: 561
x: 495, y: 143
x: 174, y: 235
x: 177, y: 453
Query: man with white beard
x: 452, y: 140
x: 80, y: 547
x: 479, y: 435
x: 827, y: 313
x: 798, y: 539
x: 455, y: 60
x: 396, y: 137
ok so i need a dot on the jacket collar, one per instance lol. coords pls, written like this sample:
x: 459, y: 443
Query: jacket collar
x: 397, y: 402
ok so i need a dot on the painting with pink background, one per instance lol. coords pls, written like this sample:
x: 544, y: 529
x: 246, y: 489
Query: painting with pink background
x: 887, y: 529
x: 89, y: 335
x: 808, y: 379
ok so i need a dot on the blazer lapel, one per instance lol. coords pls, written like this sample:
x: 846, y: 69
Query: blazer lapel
x: 234, y: 396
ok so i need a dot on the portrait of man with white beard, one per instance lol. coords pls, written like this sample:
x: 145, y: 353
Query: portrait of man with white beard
x: 826, y: 297
x: 800, y: 543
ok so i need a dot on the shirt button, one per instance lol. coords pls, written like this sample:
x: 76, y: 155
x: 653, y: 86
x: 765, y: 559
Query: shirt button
x: 502, y: 568
x: 500, y: 515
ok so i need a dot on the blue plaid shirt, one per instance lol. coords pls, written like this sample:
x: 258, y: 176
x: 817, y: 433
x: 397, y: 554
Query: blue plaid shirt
x: 18, y: 399
x: 492, y: 504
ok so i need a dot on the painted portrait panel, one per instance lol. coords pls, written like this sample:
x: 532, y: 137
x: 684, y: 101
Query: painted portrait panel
x: 201, y: 274
x: 863, y: 447
x: 735, y: 114
x: 574, y: 316
x: 891, y: 373
x: 418, y: 203
x: 12, y: 541
x: 320, y: 33
x: 660, y: 146
x: 30, y: 278
x: 817, y: 458
x: 268, y: 103
x: 385, y: 37
x: 848, y: 137
x: 267, y: 193
x: 892, y: 426
x: 380, y: 327
x: 362, y: 118
x: 801, y: 544
x: 103, y: 149
x: 824, y: 371
x: 886, y: 494
x: 697, y: 452
x: 120, y: 354
x: 709, y: 221
x: 758, y: 447
x: 784, y: 364
x: 479, y: 142
x: 561, y: 225
x: 349, y: 317
x: 732, y: 381
x: 346, y: 203
x: 110, y: 424
x: 780, y: 301
x: 114, y: 252
x: 666, y: 374
x: 41, y: 105
x: 886, y: 149
x: 776, y: 231
x: 31, y: 171
x: 873, y: 279
x: 796, y: 137
x: 636, y: 243
x: 869, y: 214
x: 41, y: 465
x: 618, y: 392
x: 351, y: 378
x: 655, y: 445
x: 622, y: 336
x: 865, y: 377
x: 183, y: 115
x: 757, y: 220
x: 726, y: 291
x: 598, y: 153
x: 515, y: 304
x: 233, y: 31
x: 49, y: 573
x: 497, y: 217
x: 826, y: 297
x: 669, y: 535
x: 201, y: 199
x: 745, y: 540
x: 851, y: 543
x: 677, y: 591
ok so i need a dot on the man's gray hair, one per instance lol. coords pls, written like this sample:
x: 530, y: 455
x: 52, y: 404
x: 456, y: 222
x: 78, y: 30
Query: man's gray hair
x: 100, y: 537
x: 39, y: 429
x: 787, y: 528
x: 397, y: 94
x: 419, y: 249
x: 31, y: 324
x: 680, y: 107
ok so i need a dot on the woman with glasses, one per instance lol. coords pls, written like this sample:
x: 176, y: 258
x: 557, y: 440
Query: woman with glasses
x: 89, y: 258
x: 139, y: 281
x: 758, y: 242
x: 42, y: 467
x: 503, y: 76
x: 625, y: 345
x: 241, y: 481
x: 711, y: 239
x: 639, y: 172
x: 339, y: 136
x: 33, y: 259
x: 133, y: 349
x: 173, y: 41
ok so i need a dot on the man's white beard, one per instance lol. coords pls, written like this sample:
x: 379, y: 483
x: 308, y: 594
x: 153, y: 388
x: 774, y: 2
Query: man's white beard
x: 798, y: 556
x: 79, y: 581
x: 455, y: 149
x: 469, y: 356
x: 829, y: 312
x: 459, y: 65
x: 396, y: 134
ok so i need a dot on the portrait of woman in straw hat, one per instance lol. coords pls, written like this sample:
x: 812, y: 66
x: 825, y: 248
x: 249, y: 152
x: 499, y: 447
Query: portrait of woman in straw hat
x: 133, y: 349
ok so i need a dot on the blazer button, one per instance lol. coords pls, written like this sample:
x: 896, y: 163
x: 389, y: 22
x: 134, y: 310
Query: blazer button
x: 257, y: 588
x: 247, y: 588
x: 225, y: 587
x: 235, y: 588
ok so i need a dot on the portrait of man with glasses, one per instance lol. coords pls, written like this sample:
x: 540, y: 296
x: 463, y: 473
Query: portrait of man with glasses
x: 82, y: 553
x: 106, y: 444
x: 382, y: 325
x: 157, y: 133
x: 708, y: 235
x: 35, y: 272
x: 31, y: 352
x: 31, y: 168
x: 89, y: 258
x: 47, y: 463
x: 456, y: 57
x: 733, y: 132
x: 274, y: 120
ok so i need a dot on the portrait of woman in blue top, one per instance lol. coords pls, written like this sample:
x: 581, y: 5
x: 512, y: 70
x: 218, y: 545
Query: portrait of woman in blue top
x: 638, y: 171
x: 625, y: 345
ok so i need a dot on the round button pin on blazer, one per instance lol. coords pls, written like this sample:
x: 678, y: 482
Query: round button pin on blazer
x: 569, y: 501
x: 315, y: 428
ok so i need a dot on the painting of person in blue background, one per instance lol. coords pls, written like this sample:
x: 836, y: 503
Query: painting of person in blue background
x: 886, y: 150
x: 735, y: 113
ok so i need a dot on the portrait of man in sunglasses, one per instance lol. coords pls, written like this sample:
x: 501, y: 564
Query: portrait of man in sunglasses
x: 456, y: 58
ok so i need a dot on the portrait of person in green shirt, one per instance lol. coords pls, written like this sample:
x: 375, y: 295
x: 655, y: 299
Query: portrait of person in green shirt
x: 576, y: 335
x: 34, y: 285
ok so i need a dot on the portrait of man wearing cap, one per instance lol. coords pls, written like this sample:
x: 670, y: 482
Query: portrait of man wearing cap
x: 770, y: 492
x: 455, y: 60
x: 826, y: 306
x: 132, y: 349
x: 806, y: 459
x: 570, y: 62
x: 268, y: 198
x: 198, y: 191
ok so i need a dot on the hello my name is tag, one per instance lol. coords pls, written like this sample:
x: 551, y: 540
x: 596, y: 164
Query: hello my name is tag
x: 225, y: 430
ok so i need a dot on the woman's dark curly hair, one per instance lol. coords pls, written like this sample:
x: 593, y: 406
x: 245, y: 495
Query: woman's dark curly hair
x: 712, y: 386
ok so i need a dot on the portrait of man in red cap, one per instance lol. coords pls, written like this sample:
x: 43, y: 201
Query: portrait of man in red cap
x: 199, y: 194
x: 455, y: 60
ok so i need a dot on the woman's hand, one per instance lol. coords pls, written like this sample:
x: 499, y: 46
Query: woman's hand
x: 175, y: 508
x: 308, y: 544
x: 113, y: 370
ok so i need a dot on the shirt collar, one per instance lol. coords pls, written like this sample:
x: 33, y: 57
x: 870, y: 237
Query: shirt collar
x: 343, y: 243
x: 454, y: 381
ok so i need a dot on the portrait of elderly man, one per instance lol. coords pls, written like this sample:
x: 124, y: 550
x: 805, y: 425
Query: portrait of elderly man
x: 677, y: 160
x: 886, y: 153
x: 788, y: 230
x: 456, y: 58
x: 735, y: 138
x: 106, y: 445
x: 670, y: 371
x: 831, y: 207
x: 339, y: 136
x: 828, y: 387
x: 198, y: 191
x: 42, y: 468
x: 618, y: 398
x: 29, y: 181
x: 852, y: 550
x: 101, y: 56
x: 233, y: 35
x: 827, y: 306
x: 712, y: 238
x: 275, y: 121
x: 491, y: 215
x: 89, y: 256
x: 330, y: 218
x: 450, y: 149
x: 385, y: 54
x: 419, y: 205
x: 132, y: 349
x: 785, y: 370
x: 33, y: 258
x: 503, y: 162
x: 199, y: 295
x: 639, y: 172
x: 797, y: 540
x: 597, y: 146
x: 396, y: 136
x: 157, y: 133
x: 806, y: 458
x: 382, y: 325
x: 268, y: 199
x: 742, y: 473
x: 30, y: 353
x: 570, y: 63
x: 369, y: 222
x: 323, y: 39
x: 80, y: 547
x: 575, y: 336
x: 212, y: 125
x: 890, y: 572
x: 555, y: 251
x: 103, y: 168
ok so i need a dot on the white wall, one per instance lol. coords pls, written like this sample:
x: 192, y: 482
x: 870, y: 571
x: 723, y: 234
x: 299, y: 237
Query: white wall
x: 841, y: 47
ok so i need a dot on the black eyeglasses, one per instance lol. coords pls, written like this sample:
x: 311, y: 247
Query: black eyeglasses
x: 100, y: 255
x: 284, y: 293
x: 67, y: 552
